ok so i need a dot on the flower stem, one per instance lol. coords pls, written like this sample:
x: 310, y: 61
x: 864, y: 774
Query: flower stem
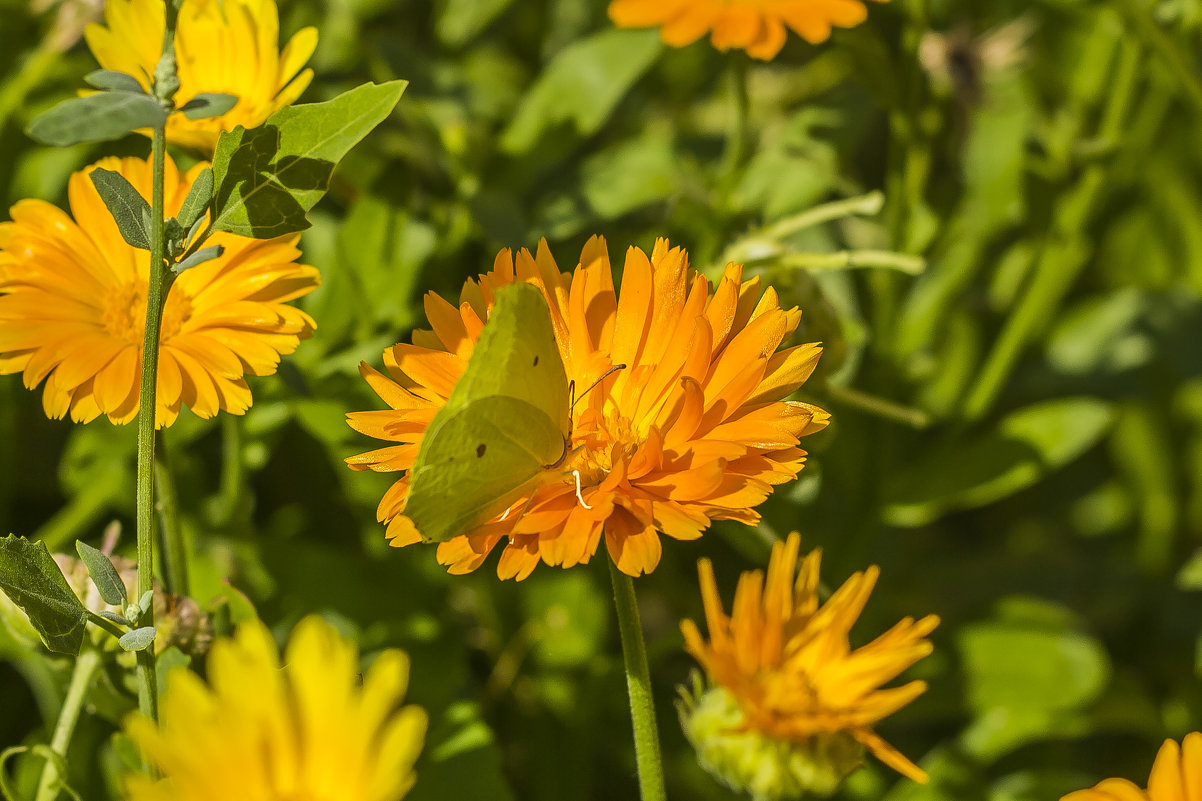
x: 736, y: 141
x: 638, y: 686
x: 155, y: 297
x: 175, y: 546
x: 81, y: 678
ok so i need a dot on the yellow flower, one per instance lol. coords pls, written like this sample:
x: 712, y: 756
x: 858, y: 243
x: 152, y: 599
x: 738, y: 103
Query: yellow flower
x: 694, y: 428
x: 73, y: 308
x: 313, y: 729
x: 757, y: 26
x: 1174, y: 777
x: 228, y: 46
x: 783, y: 671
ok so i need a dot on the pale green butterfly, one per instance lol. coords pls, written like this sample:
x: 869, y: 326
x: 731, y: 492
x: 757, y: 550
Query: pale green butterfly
x: 507, y: 420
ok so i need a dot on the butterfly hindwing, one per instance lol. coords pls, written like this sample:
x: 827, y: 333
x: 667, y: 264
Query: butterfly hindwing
x: 505, y: 421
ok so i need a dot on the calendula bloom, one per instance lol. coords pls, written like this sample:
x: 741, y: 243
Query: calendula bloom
x: 314, y: 728
x: 1175, y: 777
x: 73, y: 308
x: 693, y: 427
x: 227, y: 46
x: 757, y: 26
x: 792, y: 704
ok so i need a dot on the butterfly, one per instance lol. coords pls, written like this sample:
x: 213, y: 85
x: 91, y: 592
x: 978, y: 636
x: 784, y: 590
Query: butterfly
x: 507, y: 420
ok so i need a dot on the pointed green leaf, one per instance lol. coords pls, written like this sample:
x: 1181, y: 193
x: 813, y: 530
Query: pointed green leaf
x: 106, y: 578
x: 112, y: 81
x: 200, y: 257
x: 138, y: 639
x: 198, y: 199
x: 97, y: 118
x: 208, y: 104
x: 582, y: 85
x: 120, y: 620
x: 129, y: 209
x: 269, y: 177
x: 32, y: 579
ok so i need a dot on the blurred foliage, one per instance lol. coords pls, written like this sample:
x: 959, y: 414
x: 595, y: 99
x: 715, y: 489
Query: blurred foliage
x: 1017, y: 433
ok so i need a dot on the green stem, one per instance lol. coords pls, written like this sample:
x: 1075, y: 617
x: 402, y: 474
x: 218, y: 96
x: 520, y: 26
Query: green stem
x: 736, y: 140
x: 1065, y: 254
x: 81, y: 678
x: 915, y: 418
x: 106, y: 624
x: 175, y: 547
x: 638, y: 686
x: 230, y: 490
x: 1164, y: 46
x: 845, y: 259
x: 160, y: 279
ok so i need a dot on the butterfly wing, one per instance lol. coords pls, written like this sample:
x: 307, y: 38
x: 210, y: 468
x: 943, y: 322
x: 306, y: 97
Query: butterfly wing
x: 506, y: 420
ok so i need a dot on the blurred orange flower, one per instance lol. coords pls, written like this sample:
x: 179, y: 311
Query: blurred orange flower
x: 693, y: 429
x: 757, y: 26
x: 788, y: 665
x: 1174, y: 777
x: 227, y: 46
x: 73, y: 308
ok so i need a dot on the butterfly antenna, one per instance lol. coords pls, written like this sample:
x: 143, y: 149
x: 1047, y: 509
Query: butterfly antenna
x: 592, y: 386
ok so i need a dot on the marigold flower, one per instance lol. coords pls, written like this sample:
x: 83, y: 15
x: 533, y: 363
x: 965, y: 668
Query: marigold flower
x: 757, y: 26
x: 1174, y: 777
x: 783, y: 672
x: 73, y: 308
x: 694, y: 428
x: 313, y: 728
x: 228, y: 46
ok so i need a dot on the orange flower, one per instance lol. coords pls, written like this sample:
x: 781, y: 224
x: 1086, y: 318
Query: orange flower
x: 757, y: 26
x: 788, y: 664
x: 227, y: 46
x: 73, y: 308
x: 1174, y: 777
x: 693, y: 429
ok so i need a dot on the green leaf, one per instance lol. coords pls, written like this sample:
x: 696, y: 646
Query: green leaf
x: 198, y: 200
x: 120, y: 620
x: 460, y: 21
x: 32, y: 579
x: 112, y: 81
x: 138, y: 639
x: 581, y: 85
x: 967, y: 471
x: 200, y: 257
x: 461, y: 758
x: 1029, y: 668
x: 96, y: 118
x: 104, y: 575
x: 269, y: 177
x: 208, y: 104
x: 129, y: 209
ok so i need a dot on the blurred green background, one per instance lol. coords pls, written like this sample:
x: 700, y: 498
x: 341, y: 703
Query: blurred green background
x: 1017, y: 435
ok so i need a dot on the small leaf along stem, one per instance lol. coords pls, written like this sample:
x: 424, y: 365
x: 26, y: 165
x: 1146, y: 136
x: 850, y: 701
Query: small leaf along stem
x: 638, y: 686
x: 81, y: 678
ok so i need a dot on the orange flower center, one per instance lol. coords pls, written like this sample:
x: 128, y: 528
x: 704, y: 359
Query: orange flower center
x: 599, y: 443
x: 124, y: 314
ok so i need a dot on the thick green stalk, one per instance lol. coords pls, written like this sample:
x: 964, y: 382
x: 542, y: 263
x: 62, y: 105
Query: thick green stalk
x: 638, y: 686
x: 160, y: 280
x: 81, y: 678
x: 175, y: 546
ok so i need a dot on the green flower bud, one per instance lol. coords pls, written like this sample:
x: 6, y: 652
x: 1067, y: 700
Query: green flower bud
x: 765, y: 767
